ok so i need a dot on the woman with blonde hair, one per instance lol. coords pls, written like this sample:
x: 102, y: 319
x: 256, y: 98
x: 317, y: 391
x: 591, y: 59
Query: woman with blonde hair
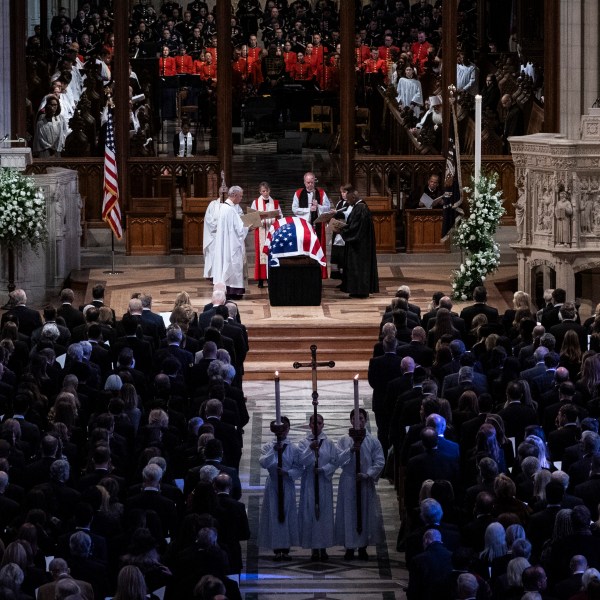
x: 130, y: 584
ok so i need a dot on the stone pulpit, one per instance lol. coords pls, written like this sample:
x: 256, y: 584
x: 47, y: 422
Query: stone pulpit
x: 557, y: 212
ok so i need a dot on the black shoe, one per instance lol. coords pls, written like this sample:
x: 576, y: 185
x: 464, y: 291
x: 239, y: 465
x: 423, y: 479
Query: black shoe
x: 362, y: 554
x: 261, y: 283
x: 286, y: 557
x: 349, y: 555
x: 314, y: 556
x: 324, y: 555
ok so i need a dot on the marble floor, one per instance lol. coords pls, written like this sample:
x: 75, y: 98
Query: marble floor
x: 383, y: 576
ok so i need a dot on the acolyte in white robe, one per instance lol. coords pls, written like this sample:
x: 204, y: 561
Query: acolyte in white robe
x: 372, y: 462
x: 273, y: 534
x: 208, y: 239
x: 229, y: 250
x: 317, y: 533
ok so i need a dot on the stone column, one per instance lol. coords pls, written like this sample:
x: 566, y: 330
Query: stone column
x: 579, y: 24
x: 5, y: 122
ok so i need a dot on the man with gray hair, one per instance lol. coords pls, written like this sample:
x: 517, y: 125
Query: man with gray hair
x: 229, y: 258
x: 151, y: 498
x: 28, y: 320
x: 60, y: 572
x: 428, y: 571
x: 84, y: 566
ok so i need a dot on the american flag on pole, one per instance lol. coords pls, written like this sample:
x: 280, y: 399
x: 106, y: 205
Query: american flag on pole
x: 292, y: 236
x: 111, y: 211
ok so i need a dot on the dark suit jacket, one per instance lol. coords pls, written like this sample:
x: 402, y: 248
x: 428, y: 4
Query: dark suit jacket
x: 562, y: 438
x: 149, y: 317
x: 71, y: 315
x: 29, y: 319
x: 432, y: 464
x: 420, y: 353
x: 231, y: 440
x: 233, y: 528
x: 164, y: 508
x: 428, y: 573
x: 142, y: 352
x: 516, y: 417
x: 469, y: 312
x: 193, y: 476
x: 184, y: 357
x: 381, y: 371
x: 149, y: 328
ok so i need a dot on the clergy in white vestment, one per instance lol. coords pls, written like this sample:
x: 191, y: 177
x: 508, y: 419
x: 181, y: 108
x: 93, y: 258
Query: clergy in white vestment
x: 372, y: 462
x: 409, y: 91
x: 209, y: 235
x: 229, y: 249
x: 316, y: 531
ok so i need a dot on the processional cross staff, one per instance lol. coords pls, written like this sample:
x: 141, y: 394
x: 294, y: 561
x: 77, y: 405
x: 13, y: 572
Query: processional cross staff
x: 314, y: 365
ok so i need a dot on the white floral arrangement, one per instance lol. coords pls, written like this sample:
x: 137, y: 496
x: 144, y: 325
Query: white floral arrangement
x: 22, y: 210
x: 475, y: 236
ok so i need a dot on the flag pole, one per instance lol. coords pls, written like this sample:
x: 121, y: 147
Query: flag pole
x: 112, y: 271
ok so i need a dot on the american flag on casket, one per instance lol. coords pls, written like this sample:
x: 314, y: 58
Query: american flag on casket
x: 292, y: 236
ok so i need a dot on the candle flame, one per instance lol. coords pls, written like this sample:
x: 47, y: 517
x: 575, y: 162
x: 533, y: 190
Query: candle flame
x: 276, y: 373
x: 356, y: 377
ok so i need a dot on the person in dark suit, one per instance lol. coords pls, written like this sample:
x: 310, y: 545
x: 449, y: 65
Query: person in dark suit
x: 237, y: 340
x: 473, y: 533
x: 142, y: 349
x: 550, y: 311
x: 100, y: 351
x: 570, y: 586
x: 61, y: 498
x: 457, y: 322
x: 514, y: 122
x: 434, y: 304
x: 50, y: 317
x: 236, y: 332
x: 151, y: 317
x: 9, y: 509
x: 429, y: 570
x: 567, y: 434
x: 148, y: 328
x: 396, y: 387
x: 233, y: 525
x: 431, y: 464
x: 84, y: 566
x: 67, y: 311
x: 217, y: 299
x: 480, y: 306
x: 404, y: 292
x: 541, y: 523
x: 579, y: 471
x: 213, y: 455
x: 211, y: 334
x: 381, y: 371
x: 515, y: 414
x: 567, y: 314
x: 151, y: 499
x: 418, y: 349
x: 589, y: 491
x: 229, y: 436
x: 198, y: 376
x: 38, y: 471
x: 28, y: 319
x: 173, y: 349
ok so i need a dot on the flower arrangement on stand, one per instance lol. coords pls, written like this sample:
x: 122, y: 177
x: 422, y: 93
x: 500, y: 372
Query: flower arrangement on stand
x: 475, y: 236
x: 22, y: 216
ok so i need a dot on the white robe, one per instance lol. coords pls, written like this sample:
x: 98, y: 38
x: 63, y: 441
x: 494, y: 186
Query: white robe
x: 467, y: 78
x: 372, y: 462
x: 50, y: 135
x: 273, y: 534
x: 409, y: 91
x: 229, y: 249
x: 208, y: 238
x: 317, y: 533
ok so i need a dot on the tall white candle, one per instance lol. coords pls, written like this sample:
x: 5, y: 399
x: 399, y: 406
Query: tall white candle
x: 277, y: 400
x: 356, y: 412
x: 477, y: 138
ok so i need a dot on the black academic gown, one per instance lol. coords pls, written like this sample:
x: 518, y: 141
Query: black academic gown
x: 360, y: 260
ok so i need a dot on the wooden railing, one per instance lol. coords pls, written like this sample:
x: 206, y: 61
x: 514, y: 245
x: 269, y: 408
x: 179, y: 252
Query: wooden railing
x: 148, y: 177
x: 399, y: 175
